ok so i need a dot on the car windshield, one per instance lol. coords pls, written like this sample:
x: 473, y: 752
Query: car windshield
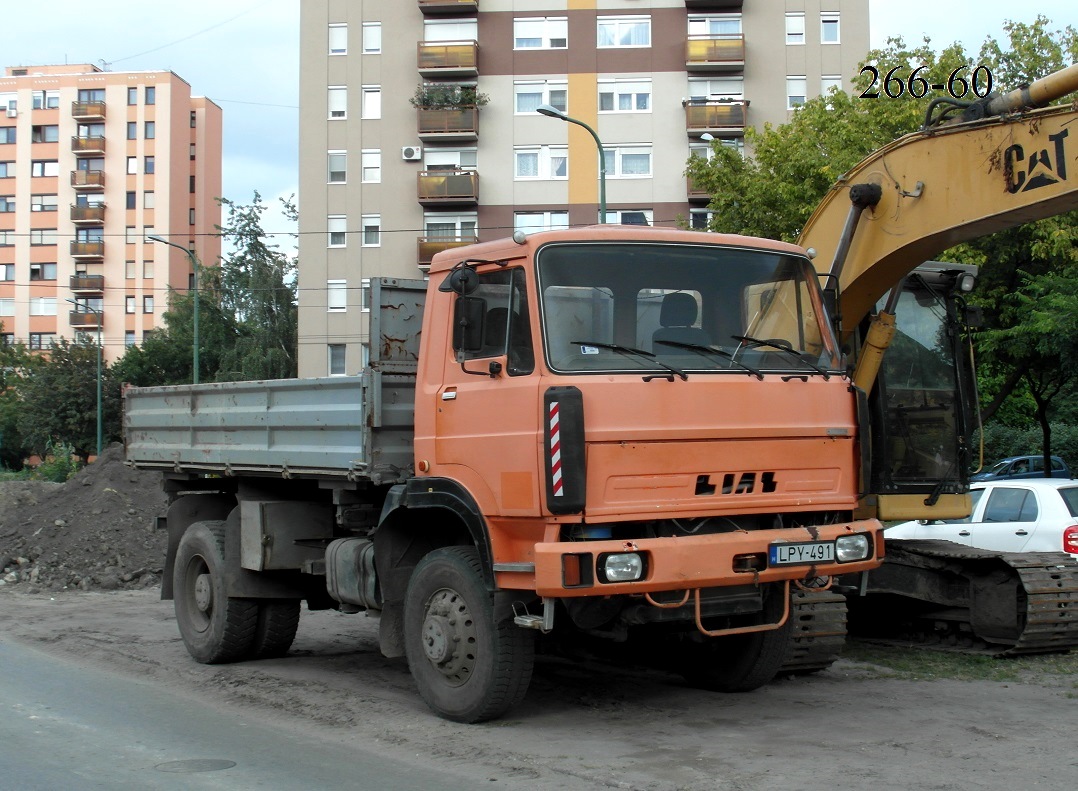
x: 1070, y: 497
x: 647, y: 306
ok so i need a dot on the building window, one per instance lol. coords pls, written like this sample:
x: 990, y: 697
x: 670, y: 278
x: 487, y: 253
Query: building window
x: 45, y: 100
x: 630, y: 217
x: 829, y: 33
x: 450, y: 159
x: 190, y: 216
x: 628, y: 161
x: 129, y: 266
x: 371, y: 166
x: 336, y: 296
x: 132, y: 130
x: 624, y: 96
x: 42, y: 236
x: 371, y: 102
x: 7, y: 134
x: 42, y: 271
x: 147, y: 266
x: 450, y: 227
x: 372, y: 230
x: 532, y: 221
x: 194, y: 118
x: 338, y: 39
x: 529, y: 94
x: 42, y: 203
x: 42, y: 340
x: 148, y: 199
x: 7, y: 170
x: 48, y: 168
x: 541, y: 162
x: 7, y: 238
x: 365, y: 296
x: 7, y: 204
x: 335, y: 361
x: 795, y: 28
x: 132, y: 200
x: 7, y: 306
x: 132, y: 166
x: 624, y: 31
x: 151, y: 130
x: 7, y: 272
x: 699, y: 219
x: 129, y: 302
x: 147, y: 303
x: 132, y: 96
x: 829, y: 81
x: 372, y: 38
x: 151, y: 96
x: 46, y: 133
x: 129, y: 338
x: 149, y: 166
x: 712, y: 25
x: 541, y: 33
x: 338, y: 167
x: 338, y: 102
x: 191, y: 184
x: 42, y: 306
x: 191, y: 152
x: 338, y: 231
x: 795, y: 92
x: 7, y: 338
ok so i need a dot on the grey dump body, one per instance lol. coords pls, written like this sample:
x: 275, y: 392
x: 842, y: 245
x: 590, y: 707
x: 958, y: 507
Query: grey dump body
x: 355, y: 427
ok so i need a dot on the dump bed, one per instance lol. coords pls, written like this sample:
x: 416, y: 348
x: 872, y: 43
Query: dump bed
x: 358, y: 427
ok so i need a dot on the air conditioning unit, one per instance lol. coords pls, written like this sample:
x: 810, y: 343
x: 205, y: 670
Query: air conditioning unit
x: 411, y: 153
x: 12, y: 112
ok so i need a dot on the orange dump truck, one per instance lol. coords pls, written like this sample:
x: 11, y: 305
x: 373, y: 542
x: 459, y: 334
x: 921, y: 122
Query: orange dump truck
x: 622, y: 435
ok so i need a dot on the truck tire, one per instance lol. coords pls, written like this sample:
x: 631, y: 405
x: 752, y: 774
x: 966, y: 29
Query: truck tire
x: 739, y: 663
x: 468, y: 668
x: 278, y: 620
x: 215, y: 628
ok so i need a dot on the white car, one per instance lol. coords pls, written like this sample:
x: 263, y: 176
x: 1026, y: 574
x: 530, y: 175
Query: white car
x: 1031, y: 515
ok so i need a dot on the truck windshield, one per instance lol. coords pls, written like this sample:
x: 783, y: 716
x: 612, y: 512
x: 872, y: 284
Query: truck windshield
x: 699, y: 308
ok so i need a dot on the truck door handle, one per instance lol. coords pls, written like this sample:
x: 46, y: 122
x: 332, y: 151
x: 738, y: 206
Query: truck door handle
x: 450, y: 394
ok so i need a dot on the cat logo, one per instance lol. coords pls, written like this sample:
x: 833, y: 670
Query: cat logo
x: 1040, y: 170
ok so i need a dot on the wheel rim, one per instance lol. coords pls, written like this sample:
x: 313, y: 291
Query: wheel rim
x: 198, y: 593
x: 449, y: 636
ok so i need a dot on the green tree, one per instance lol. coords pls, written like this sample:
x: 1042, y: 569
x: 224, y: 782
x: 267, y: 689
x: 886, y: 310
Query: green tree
x: 17, y: 363
x: 59, y: 400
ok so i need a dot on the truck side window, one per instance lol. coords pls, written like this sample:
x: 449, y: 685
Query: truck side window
x: 506, y: 326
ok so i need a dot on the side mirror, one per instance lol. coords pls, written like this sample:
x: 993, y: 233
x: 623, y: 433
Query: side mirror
x: 463, y: 280
x: 468, y: 315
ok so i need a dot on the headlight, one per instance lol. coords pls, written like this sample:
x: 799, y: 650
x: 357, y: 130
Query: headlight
x: 851, y: 548
x: 621, y: 567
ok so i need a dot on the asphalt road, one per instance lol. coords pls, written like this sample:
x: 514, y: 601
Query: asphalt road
x: 64, y: 726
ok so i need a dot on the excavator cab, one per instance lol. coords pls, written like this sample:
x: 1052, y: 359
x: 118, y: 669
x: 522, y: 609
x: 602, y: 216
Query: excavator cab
x: 922, y: 400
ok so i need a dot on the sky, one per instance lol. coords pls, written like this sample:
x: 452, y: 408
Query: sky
x: 244, y: 55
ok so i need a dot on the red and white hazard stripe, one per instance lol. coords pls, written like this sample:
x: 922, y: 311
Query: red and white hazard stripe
x: 554, y: 431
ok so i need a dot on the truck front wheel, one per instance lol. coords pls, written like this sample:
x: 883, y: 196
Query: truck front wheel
x: 215, y: 627
x: 468, y: 667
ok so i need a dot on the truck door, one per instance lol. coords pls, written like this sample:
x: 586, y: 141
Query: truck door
x: 487, y: 423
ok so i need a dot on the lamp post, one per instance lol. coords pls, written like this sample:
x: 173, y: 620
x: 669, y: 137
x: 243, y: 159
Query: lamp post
x: 100, y: 351
x: 554, y: 112
x: 194, y: 324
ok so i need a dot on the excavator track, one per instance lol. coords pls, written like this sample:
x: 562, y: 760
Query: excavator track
x: 945, y: 595
x: 819, y: 631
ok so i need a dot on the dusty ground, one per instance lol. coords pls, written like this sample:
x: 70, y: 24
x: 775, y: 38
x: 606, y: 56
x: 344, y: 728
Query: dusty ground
x: 582, y: 726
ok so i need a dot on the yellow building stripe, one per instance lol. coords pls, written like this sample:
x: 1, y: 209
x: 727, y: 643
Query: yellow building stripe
x: 583, y: 153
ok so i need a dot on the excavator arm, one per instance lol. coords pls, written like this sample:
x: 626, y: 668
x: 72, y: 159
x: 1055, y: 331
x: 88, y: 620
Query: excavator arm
x: 944, y: 185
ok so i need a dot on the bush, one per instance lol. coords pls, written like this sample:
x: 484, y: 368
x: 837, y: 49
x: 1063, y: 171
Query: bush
x: 1001, y: 441
x: 59, y: 465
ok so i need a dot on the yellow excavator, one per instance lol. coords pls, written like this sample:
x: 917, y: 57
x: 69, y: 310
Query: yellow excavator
x: 973, y: 169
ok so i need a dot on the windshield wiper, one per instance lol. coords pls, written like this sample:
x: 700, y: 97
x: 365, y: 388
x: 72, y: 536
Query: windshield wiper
x: 782, y: 346
x: 629, y: 350
x: 699, y: 348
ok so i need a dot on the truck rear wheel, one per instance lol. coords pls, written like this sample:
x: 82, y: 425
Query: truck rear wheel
x: 278, y: 620
x: 468, y: 667
x: 215, y: 627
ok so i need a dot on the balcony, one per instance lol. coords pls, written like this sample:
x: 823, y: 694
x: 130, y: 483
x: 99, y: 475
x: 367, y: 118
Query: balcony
x: 432, y: 7
x: 448, y: 187
x: 85, y: 250
x: 88, y: 215
x: 720, y: 117
x: 429, y: 247
x: 725, y: 53
x: 448, y: 58
x: 85, y: 319
x: 87, y: 146
x: 696, y: 194
x: 448, y: 123
x: 84, y: 283
x: 88, y: 111
x: 88, y: 180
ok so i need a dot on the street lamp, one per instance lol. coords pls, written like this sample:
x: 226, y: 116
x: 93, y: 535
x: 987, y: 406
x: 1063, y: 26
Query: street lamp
x: 194, y: 265
x: 553, y: 112
x: 100, y: 320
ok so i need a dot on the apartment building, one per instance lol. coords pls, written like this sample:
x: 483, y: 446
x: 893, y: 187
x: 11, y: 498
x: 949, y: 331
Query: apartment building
x: 93, y: 162
x: 420, y: 128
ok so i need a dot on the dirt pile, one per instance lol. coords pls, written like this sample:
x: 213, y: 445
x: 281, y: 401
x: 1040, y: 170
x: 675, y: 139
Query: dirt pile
x: 94, y: 532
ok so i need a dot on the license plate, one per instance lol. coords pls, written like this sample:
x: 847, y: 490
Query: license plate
x: 798, y: 554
